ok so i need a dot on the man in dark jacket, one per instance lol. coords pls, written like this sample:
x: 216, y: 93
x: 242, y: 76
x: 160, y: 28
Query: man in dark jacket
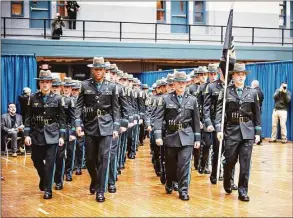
x: 282, y: 99
x: 72, y: 8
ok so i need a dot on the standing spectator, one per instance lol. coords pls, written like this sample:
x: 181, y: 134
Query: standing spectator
x: 23, y: 101
x: 282, y: 99
x: 72, y: 8
x: 57, y: 27
x: 255, y: 85
x: 12, y: 126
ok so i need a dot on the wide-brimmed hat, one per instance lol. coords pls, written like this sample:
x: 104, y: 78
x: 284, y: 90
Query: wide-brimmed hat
x: 163, y: 81
x: 67, y: 82
x: 45, y: 75
x: 124, y: 76
x: 57, y: 82
x: 213, y: 68
x: 180, y: 76
x: 136, y: 81
x: 75, y: 85
x: 114, y: 68
x: 120, y: 73
x: 201, y: 69
x: 130, y: 77
x: 98, y: 62
x: 107, y: 65
x: 145, y: 86
x: 158, y: 83
x: 170, y: 78
x: 239, y: 68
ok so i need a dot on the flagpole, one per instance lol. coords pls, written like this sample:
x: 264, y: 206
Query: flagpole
x: 223, y: 112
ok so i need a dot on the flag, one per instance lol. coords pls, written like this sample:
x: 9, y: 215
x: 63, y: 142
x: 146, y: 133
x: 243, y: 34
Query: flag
x: 228, y: 45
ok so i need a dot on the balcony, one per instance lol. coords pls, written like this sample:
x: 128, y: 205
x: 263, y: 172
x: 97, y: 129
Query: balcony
x: 137, y: 32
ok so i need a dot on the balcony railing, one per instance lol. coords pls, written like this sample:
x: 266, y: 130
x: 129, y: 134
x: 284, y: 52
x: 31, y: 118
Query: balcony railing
x: 13, y: 27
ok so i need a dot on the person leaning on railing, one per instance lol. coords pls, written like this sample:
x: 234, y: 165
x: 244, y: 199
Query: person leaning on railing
x: 57, y: 27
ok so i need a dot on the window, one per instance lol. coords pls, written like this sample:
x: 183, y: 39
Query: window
x: 282, y: 16
x: 199, y: 12
x: 17, y: 9
x: 61, y: 9
x: 161, y: 11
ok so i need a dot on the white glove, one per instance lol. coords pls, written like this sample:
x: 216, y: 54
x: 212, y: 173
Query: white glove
x: 122, y: 129
x: 115, y: 134
x: 210, y: 128
x: 28, y: 141
x: 78, y: 131
x: 12, y: 131
x: 140, y: 121
x: 220, y: 136
x: 196, y: 144
x: 72, y: 138
x: 200, y: 124
x: 257, y: 139
x: 130, y: 125
x: 135, y: 122
x: 149, y: 129
x: 159, y: 142
x: 61, y: 142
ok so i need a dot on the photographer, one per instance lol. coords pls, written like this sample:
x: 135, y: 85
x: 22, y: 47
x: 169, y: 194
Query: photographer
x: 282, y: 99
x: 57, y: 27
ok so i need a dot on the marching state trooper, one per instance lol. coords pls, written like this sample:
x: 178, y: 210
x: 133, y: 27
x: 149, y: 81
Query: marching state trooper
x: 57, y: 86
x: 45, y: 130
x: 143, y: 98
x: 242, y: 128
x: 79, y: 152
x: 69, y: 137
x: 180, y: 112
x: 123, y: 127
x: 98, y: 101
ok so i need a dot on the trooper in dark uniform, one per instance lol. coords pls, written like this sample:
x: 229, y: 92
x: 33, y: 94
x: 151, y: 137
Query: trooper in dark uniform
x: 123, y: 127
x: 142, y: 98
x: 79, y: 152
x: 69, y: 140
x: 242, y: 128
x: 180, y: 112
x: 99, y: 100
x: 57, y: 86
x: 45, y: 130
x: 72, y: 8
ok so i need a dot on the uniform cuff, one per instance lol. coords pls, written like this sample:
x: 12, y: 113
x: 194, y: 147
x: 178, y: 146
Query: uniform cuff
x: 196, y: 137
x: 158, y: 134
x: 116, y: 126
x: 124, y: 123
x: 218, y: 127
x: 257, y: 130
x: 26, y: 131
x: 62, y: 133
x: 208, y: 122
x: 77, y: 123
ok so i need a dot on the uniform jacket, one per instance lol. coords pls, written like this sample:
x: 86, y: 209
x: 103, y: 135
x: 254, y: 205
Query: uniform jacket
x: 100, y: 107
x: 72, y: 5
x: 43, y: 133
x: 170, y: 111
x: 150, y: 101
x: 125, y: 108
x: 210, y: 102
x: 245, y: 106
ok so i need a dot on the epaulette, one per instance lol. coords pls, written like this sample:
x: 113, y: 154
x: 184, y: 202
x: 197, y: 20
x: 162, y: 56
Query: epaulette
x: 62, y: 101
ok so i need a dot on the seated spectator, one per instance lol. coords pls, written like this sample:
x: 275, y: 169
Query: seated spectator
x: 12, y: 127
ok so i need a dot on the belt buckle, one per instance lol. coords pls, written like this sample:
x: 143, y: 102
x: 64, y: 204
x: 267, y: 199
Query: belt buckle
x: 99, y: 112
x: 45, y: 122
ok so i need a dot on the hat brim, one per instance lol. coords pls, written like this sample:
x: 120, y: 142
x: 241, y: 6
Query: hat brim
x: 213, y: 71
x: 180, y: 80
x: 238, y: 71
x: 67, y: 85
x: 97, y: 66
x: 44, y: 78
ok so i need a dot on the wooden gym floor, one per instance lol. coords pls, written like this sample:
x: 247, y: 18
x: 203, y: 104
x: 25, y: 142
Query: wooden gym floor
x: 139, y: 192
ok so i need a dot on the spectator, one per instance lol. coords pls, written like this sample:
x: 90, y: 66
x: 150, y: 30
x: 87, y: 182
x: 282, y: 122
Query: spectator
x: 255, y: 85
x: 57, y: 27
x: 72, y: 8
x: 12, y: 126
x: 282, y: 99
x: 23, y: 101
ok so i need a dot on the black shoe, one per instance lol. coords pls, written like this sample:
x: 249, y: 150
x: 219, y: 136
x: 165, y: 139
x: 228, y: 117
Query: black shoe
x: 175, y: 186
x: 163, y: 178
x: 112, y: 189
x: 116, y: 178
x: 123, y: 167
x: 84, y: 167
x: 228, y: 190
x: 119, y: 172
x: 100, y: 197
x: 207, y: 171
x: 196, y: 167
x: 68, y: 177
x: 213, y: 180
x: 132, y: 156
x: 272, y: 141
x: 92, y: 188
x: 220, y: 178
x: 184, y: 196
x: 78, y: 171
x: 41, y: 185
x: 234, y: 187
x: 59, y: 186
x: 200, y: 170
x: 168, y: 190
x: 243, y: 198
x: 47, y: 194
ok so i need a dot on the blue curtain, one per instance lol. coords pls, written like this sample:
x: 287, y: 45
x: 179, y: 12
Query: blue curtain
x: 17, y: 72
x: 150, y: 77
x: 270, y: 75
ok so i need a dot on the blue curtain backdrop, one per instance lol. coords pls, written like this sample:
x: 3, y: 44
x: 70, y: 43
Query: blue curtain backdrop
x: 270, y: 75
x: 17, y: 72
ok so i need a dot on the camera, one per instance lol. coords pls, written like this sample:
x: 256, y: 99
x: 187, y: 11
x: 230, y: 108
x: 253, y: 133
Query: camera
x: 284, y: 86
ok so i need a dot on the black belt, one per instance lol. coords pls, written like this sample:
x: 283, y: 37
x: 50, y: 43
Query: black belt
x: 40, y: 122
x: 237, y: 120
x: 91, y: 113
x: 179, y: 126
